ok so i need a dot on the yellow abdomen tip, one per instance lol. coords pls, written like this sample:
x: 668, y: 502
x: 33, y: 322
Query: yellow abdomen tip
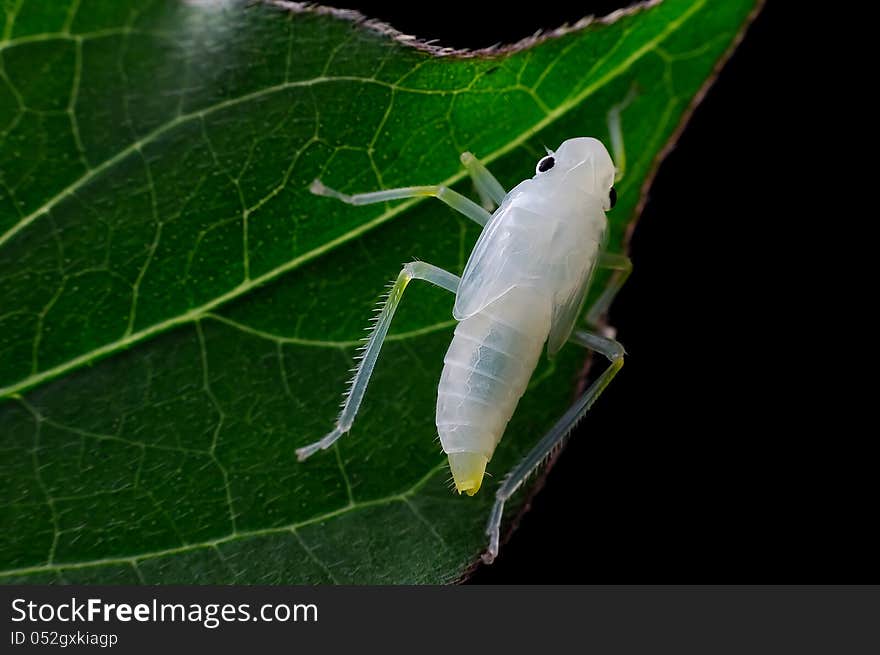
x: 467, y: 471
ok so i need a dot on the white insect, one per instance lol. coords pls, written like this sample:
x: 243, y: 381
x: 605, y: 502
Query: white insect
x: 524, y: 285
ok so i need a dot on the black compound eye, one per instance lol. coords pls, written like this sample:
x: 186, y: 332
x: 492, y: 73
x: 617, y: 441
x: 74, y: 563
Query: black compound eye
x: 612, y: 197
x: 545, y: 164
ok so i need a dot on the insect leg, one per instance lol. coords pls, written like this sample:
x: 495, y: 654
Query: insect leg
x: 411, y: 271
x: 616, y: 132
x: 614, y: 352
x: 489, y: 188
x: 622, y: 265
x: 452, y: 198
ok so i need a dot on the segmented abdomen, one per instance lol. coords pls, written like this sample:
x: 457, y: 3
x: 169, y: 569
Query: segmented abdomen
x: 487, y: 369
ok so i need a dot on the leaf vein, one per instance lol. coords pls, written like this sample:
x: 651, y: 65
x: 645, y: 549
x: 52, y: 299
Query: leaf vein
x: 244, y: 287
x: 235, y: 536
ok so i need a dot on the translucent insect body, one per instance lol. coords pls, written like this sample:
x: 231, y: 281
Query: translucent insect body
x: 524, y: 285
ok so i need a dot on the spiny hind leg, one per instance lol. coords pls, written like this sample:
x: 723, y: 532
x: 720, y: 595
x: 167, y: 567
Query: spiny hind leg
x: 622, y: 267
x: 520, y: 473
x: 452, y: 198
x: 490, y: 189
x: 411, y: 271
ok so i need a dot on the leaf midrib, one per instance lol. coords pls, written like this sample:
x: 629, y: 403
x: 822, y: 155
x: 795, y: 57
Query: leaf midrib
x: 248, y: 285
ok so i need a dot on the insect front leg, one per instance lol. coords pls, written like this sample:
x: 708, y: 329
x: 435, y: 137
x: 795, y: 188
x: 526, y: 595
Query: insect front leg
x: 622, y: 267
x: 452, y: 198
x: 411, y: 271
x: 614, y: 352
x: 615, y: 131
x: 490, y: 189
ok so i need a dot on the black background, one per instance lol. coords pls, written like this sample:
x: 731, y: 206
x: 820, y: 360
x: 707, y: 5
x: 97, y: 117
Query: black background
x: 709, y: 459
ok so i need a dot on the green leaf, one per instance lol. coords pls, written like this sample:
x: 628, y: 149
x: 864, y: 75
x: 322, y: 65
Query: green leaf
x: 178, y: 313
